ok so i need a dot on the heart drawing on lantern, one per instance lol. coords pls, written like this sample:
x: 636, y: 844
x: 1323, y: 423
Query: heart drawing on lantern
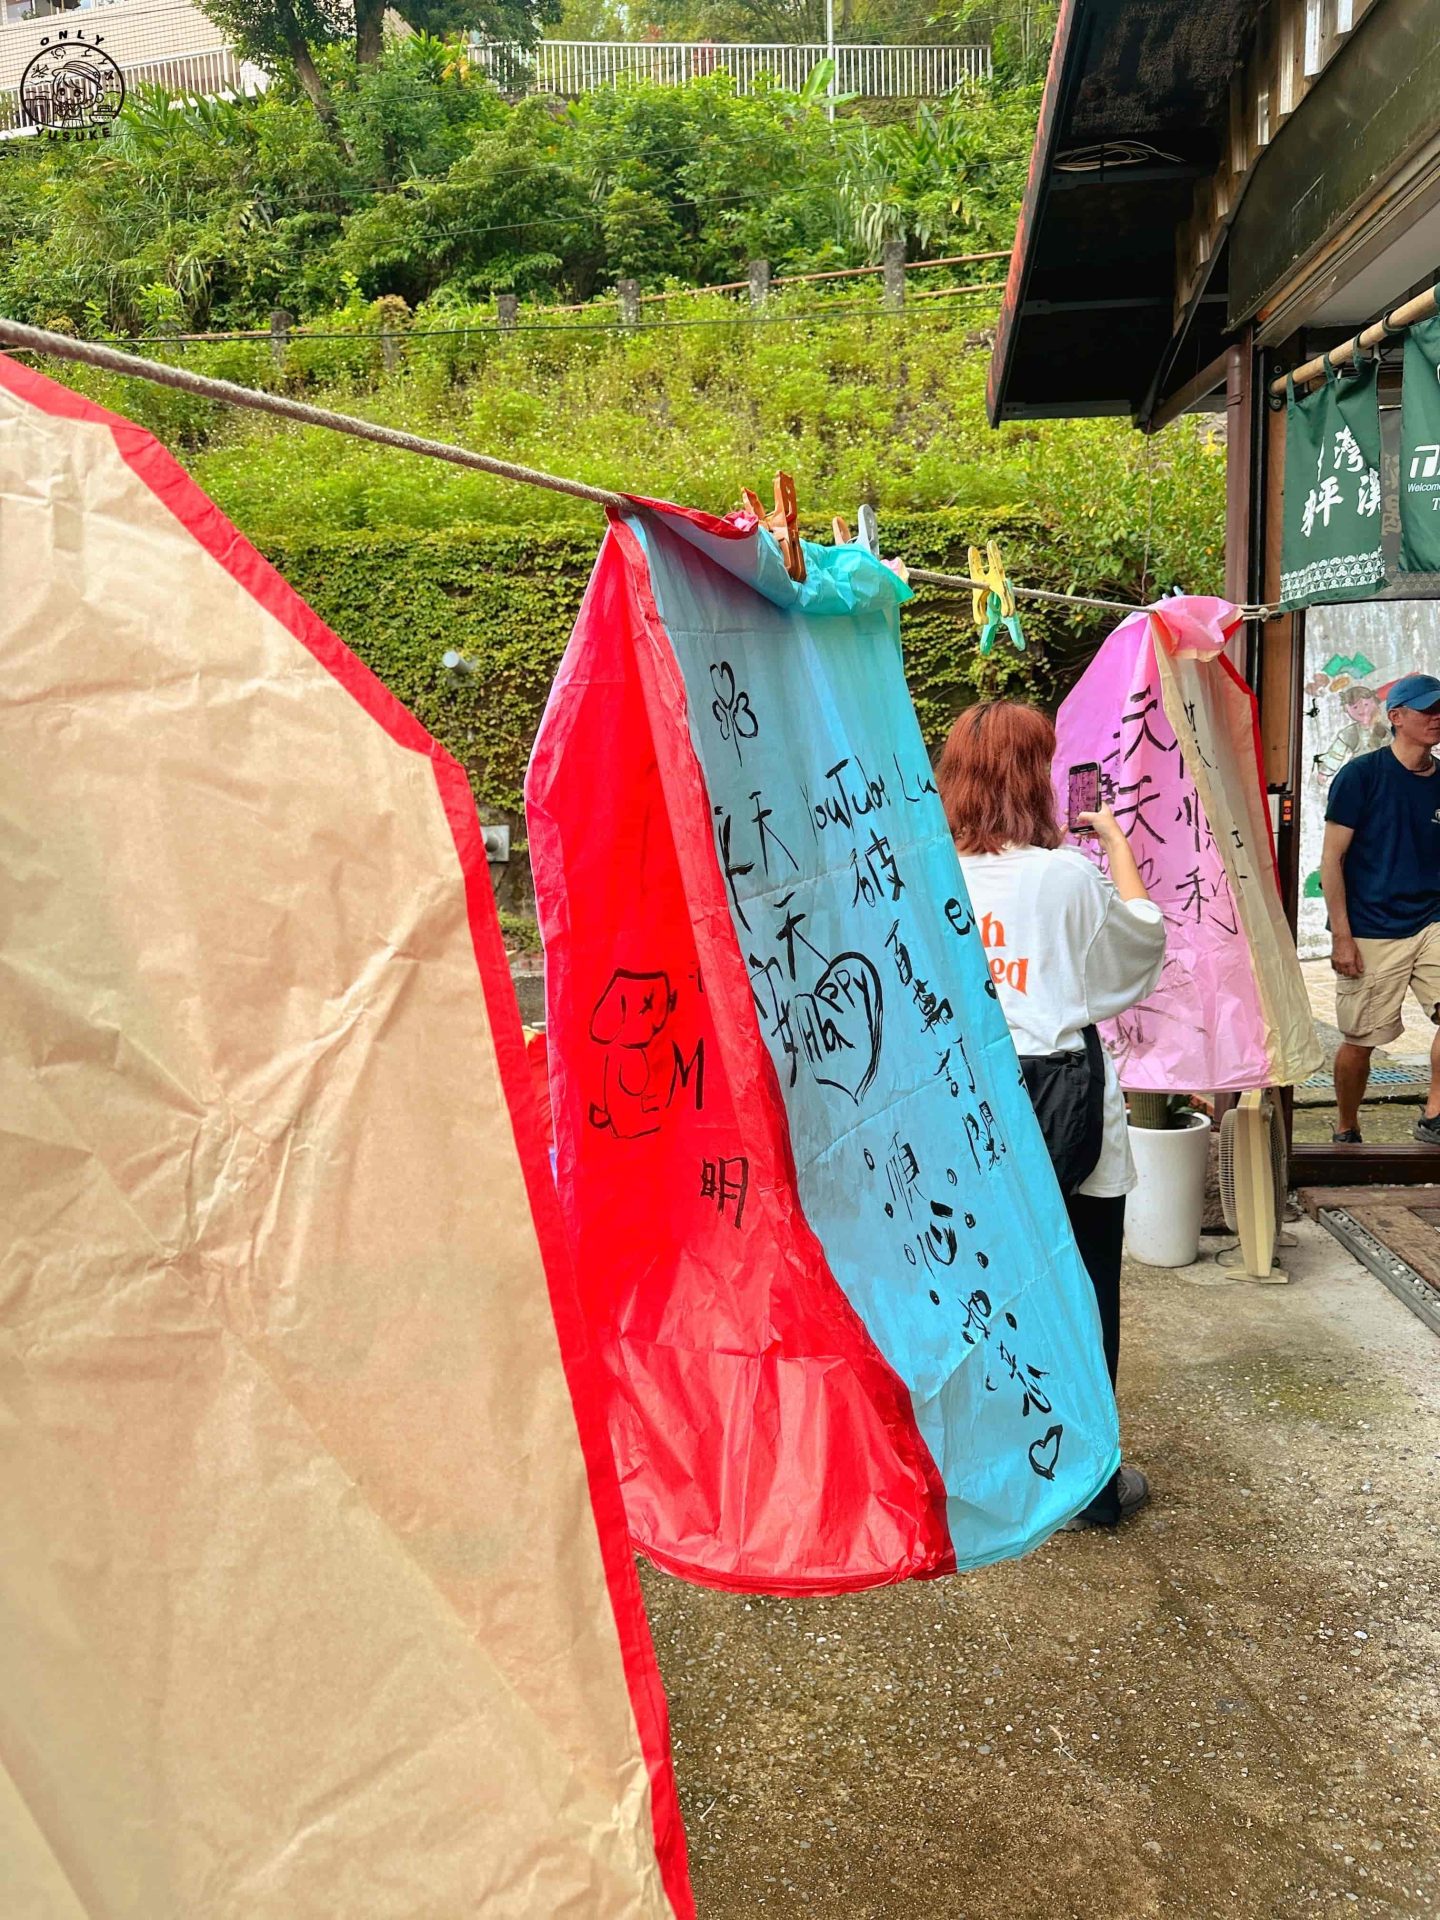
x: 841, y: 1023
x: 1045, y: 1452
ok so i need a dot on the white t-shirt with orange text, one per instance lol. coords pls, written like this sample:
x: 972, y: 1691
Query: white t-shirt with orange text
x: 1065, y: 950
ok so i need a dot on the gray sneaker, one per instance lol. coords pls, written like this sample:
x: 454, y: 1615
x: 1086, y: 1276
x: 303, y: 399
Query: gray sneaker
x: 1132, y: 1492
x: 1427, y: 1130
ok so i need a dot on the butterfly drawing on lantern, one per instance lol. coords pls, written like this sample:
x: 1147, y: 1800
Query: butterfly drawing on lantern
x: 733, y: 712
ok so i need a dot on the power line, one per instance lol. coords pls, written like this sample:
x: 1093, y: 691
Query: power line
x: 94, y: 353
x: 845, y: 309
x: 645, y: 299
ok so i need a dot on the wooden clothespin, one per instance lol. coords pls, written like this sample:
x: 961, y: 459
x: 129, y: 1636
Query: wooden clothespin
x: 993, y: 601
x: 841, y: 530
x: 781, y: 523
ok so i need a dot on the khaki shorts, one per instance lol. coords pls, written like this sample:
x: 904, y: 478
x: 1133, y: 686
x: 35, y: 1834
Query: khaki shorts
x: 1369, y: 1009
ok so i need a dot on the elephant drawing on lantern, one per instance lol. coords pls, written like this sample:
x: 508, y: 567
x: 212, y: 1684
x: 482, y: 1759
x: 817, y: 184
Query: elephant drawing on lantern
x: 643, y: 1066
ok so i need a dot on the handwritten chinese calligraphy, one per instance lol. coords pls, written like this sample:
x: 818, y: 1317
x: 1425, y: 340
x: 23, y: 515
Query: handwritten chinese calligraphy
x: 800, y: 1177
x: 875, y: 995
x: 731, y: 707
x: 726, y: 1181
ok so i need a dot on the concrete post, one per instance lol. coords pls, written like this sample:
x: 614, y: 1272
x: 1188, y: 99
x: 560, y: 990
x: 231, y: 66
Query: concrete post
x: 893, y: 280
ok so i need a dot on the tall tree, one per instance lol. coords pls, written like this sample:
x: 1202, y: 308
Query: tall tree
x: 288, y: 35
x: 284, y: 34
x: 1020, y: 33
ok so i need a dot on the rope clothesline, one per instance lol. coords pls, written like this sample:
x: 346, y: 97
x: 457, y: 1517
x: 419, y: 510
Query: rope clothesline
x: 929, y: 579
x: 93, y: 353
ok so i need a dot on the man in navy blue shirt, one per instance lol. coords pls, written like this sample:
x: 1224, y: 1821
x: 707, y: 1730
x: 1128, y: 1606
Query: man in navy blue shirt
x: 1380, y: 874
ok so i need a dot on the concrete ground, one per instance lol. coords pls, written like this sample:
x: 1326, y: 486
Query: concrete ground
x: 1228, y: 1707
x: 1390, y: 1108
x: 1382, y: 1122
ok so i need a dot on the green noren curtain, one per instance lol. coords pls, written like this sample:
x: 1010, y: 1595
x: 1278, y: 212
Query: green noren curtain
x: 1330, y: 541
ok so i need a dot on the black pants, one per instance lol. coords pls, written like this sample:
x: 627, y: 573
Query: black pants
x: 1099, y: 1229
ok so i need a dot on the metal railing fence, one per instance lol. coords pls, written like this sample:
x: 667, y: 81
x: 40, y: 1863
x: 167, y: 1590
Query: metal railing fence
x: 573, y: 67
x: 211, y: 71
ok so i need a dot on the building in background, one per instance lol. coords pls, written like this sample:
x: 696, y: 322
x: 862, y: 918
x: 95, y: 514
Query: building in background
x: 166, y: 43
x: 1218, y: 193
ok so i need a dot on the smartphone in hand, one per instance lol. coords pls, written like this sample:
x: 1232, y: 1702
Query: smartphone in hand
x: 1083, y: 795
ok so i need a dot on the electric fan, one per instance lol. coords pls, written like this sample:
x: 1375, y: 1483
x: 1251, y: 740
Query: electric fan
x: 1254, y: 1180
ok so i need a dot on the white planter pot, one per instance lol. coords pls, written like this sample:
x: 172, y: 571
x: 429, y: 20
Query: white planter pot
x: 1163, y: 1214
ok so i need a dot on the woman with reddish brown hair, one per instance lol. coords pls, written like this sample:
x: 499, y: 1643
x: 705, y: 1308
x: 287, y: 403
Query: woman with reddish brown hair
x: 1067, y: 947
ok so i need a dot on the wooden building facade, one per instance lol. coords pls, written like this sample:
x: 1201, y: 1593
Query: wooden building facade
x: 1217, y: 193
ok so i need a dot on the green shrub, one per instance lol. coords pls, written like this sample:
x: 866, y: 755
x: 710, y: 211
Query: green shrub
x: 430, y: 187
x: 857, y: 406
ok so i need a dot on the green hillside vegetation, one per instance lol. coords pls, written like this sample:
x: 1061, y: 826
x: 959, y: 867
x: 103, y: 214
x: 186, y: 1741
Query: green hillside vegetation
x: 505, y: 599
x: 441, y: 194
x: 858, y: 405
x: 437, y: 191
x: 409, y: 558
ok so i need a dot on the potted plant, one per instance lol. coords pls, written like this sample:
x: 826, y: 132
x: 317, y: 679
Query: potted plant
x: 1170, y: 1140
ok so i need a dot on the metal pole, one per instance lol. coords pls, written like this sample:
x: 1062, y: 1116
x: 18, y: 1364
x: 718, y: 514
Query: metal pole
x: 830, y: 56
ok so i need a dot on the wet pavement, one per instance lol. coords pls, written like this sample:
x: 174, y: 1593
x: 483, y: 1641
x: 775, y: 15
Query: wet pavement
x: 1229, y: 1707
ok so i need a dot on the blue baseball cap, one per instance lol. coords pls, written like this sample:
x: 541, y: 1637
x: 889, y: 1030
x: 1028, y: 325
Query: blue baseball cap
x: 1418, y: 690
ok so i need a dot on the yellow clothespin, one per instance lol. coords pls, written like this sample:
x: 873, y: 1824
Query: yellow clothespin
x: 781, y: 523
x: 993, y: 601
x: 979, y: 598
